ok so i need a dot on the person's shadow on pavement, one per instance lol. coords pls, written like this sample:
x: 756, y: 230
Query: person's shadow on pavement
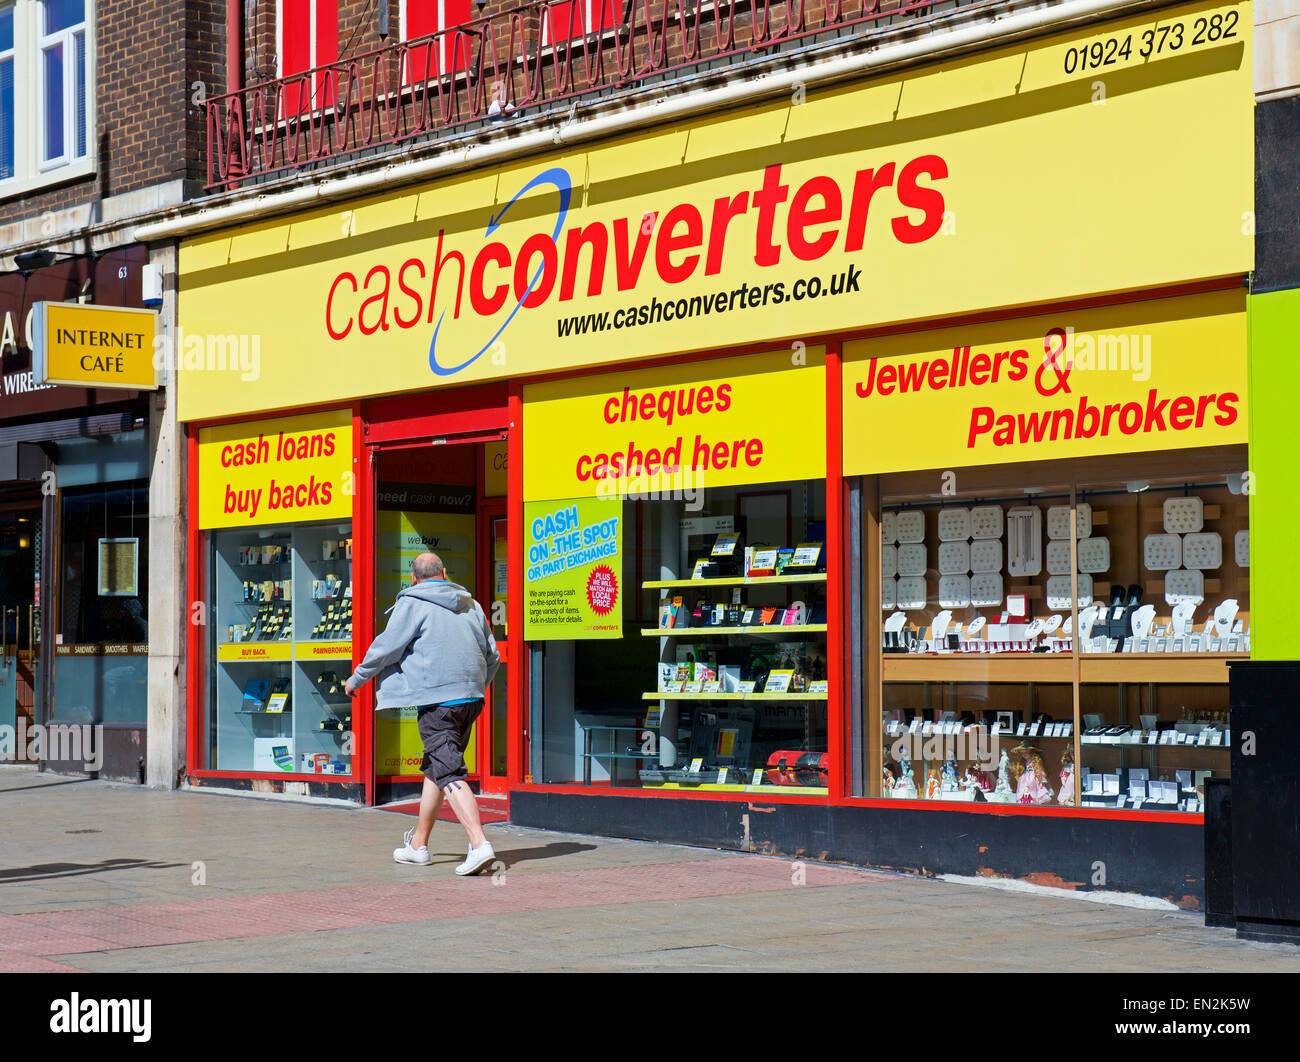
x: 546, y: 851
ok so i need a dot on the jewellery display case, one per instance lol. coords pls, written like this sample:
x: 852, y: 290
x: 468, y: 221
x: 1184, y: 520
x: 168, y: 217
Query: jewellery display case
x: 1081, y: 621
x: 281, y: 637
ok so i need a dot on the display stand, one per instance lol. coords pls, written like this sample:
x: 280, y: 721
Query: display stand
x: 283, y: 648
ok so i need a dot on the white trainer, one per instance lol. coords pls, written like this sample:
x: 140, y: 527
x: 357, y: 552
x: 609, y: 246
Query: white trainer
x: 407, y: 854
x: 477, y: 859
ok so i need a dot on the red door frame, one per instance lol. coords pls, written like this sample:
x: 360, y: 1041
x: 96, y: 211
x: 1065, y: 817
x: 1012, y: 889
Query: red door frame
x: 459, y: 415
x: 489, y: 511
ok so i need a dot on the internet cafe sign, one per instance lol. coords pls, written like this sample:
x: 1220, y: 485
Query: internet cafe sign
x: 93, y: 346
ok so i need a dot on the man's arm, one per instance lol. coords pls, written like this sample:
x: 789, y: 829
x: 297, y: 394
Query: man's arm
x: 403, y: 626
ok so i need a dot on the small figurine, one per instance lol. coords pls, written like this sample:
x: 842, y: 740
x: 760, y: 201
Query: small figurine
x: 932, y: 786
x: 1002, y: 793
x: 1032, y: 787
x: 971, y: 781
x: 949, y: 775
x: 1066, y: 795
x: 906, y: 780
x: 888, y: 780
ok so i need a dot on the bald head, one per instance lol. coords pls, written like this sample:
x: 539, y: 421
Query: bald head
x: 428, y: 566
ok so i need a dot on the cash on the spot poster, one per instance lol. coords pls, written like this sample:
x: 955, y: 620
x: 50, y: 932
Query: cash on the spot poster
x: 573, y: 576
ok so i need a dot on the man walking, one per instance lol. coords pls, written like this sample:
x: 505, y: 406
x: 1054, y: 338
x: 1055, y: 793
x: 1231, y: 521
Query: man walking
x: 438, y: 654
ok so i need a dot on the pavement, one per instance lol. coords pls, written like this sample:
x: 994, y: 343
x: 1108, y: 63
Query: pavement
x: 108, y: 877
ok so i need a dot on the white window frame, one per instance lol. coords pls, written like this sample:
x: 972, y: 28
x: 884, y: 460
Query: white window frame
x: 11, y: 54
x: 66, y: 38
x: 31, y: 171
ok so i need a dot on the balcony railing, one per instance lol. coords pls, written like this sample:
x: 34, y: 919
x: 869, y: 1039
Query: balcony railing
x: 528, y: 56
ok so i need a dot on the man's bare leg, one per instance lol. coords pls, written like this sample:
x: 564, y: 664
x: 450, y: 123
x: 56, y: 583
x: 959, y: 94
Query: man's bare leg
x: 462, y: 801
x: 430, y: 804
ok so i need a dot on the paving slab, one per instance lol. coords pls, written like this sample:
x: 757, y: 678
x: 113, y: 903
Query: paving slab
x: 115, y: 878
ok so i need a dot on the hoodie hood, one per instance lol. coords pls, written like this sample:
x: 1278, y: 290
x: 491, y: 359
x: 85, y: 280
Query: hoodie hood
x: 451, y: 596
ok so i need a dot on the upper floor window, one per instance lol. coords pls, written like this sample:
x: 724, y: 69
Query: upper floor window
x: 423, y: 17
x: 579, y: 17
x: 309, y: 38
x: 46, y: 90
x: 62, y: 46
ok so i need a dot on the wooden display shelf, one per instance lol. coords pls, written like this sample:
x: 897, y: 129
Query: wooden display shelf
x: 978, y: 667
x: 736, y: 580
x: 1171, y: 668
x: 734, y: 696
x: 1176, y: 668
x: 766, y: 628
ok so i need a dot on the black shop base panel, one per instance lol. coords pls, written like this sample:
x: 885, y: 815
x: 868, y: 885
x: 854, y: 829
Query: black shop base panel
x: 1161, y: 859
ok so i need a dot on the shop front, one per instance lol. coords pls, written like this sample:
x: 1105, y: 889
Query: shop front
x: 845, y: 476
x: 307, y: 527
x: 74, y: 537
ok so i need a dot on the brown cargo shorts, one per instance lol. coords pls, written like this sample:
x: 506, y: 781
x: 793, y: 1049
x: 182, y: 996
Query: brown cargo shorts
x: 445, y: 730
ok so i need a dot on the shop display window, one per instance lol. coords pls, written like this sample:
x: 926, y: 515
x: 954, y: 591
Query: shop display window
x: 718, y: 681
x: 281, y: 636
x: 101, y: 652
x: 1059, y: 634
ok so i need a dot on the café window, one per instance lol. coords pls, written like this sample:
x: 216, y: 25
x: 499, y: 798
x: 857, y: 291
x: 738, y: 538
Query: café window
x: 101, y: 654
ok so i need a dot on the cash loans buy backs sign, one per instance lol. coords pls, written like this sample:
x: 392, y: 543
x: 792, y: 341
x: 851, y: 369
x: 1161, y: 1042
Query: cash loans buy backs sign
x: 573, y: 578
x: 276, y: 471
x: 900, y: 198
x: 1160, y: 375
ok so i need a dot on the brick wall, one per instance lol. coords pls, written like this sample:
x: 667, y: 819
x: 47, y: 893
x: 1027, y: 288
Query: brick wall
x: 148, y: 131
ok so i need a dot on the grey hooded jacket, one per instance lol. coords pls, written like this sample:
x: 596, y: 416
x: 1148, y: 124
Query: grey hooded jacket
x: 437, y: 647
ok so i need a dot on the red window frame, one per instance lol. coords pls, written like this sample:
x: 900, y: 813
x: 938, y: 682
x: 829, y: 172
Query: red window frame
x: 451, y: 52
x: 588, y: 16
x: 307, y: 36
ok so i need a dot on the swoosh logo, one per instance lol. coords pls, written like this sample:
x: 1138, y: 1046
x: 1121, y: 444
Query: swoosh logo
x: 560, y: 178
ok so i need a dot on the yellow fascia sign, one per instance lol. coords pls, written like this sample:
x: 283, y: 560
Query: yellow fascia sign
x: 93, y: 346
x: 1097, y: 160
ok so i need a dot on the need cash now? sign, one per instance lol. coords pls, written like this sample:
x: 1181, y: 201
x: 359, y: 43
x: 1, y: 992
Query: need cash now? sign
x: 93, y: 346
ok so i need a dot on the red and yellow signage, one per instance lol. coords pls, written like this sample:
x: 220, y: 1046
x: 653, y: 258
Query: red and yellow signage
x: 1159, y: 375
x: 754, y: 419
x: 245, y: 651
x: 1053, y: 169
x: 277, y: 471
